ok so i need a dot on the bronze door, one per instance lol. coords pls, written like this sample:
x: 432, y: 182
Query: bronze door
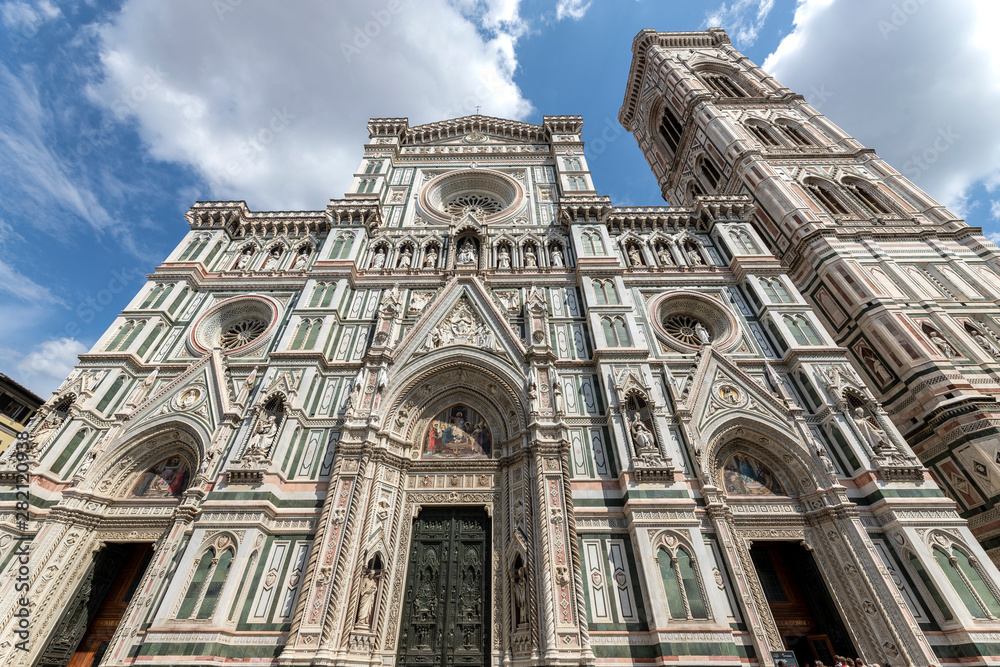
x: 446, y: 609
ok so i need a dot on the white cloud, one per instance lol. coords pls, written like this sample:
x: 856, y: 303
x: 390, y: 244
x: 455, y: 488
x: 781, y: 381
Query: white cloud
x: 49, y: 363
x: 29, y: 164
x: 995, y: 209
x: 271, y: 105
x: 573, y: 9
x: 19, y: 285
x: 742, y: 19
x: 27, y: 17
x: 918, y: 82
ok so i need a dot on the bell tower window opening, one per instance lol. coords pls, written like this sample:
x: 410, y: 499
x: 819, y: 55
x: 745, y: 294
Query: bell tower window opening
x: 795, y: 134
x: 868, y: 199
x: 827, y: 199
x: 763, y: 135
x: 711, y: 172
x: 724, y: 85
x: 670, y: 129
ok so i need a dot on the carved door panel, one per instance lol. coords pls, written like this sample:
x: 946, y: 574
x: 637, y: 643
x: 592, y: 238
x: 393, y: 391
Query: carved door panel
x: 446, y: 604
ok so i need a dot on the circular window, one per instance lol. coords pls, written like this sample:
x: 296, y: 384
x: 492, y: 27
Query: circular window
x: 476, y: 204
x: 239, y: 325
x: 484, y: 194
x: 687, y: 321
x: 686, y: 329
x: 241, y: 333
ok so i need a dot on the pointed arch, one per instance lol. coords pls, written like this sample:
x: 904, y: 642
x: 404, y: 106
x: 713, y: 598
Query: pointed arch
x: 117, y: 471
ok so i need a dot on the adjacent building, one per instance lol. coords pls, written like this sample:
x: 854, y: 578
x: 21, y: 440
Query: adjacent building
x: 474, y: 413
x: 17, y: 406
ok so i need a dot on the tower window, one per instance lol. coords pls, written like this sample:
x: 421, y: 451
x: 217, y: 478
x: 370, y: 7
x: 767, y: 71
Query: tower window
x: 711, y: 172
x: 796, y: 134
x: 868, y: 199
x: 763, y: 135
x: 724, y: 85
x: 670, y: 129
x: 827, y: 199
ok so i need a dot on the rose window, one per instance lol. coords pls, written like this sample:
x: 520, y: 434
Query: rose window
x: 482, y: 193
x: 242, y: 333
x: 476, y: 204
x: 240, y: 325
x: 684, y: 328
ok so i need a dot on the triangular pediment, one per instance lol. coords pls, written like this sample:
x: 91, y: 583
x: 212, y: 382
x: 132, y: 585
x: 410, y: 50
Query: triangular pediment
x: 719, y: 389
x: 201, y: 392
x: 464, y: 314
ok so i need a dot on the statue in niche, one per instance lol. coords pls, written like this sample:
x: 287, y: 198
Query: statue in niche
x: 301, y: 258
x: 366, y: 603
x: 503, y: 255
x: 519, y: 579
x: 878, y: 370
x: 556, y: 257
x: 405, y: 259
x: 871, y: 432
x: 557, y: 398
x: 530, y: 259
x: 273, y: 257
x: 985, y: 343
x: 378, y: 260
x: 263, y: 435
x: 243, y: 263
x: 467, y: 253
x: 703, y: 334
x: 142, y: 391
x: 431, y: 258
x: 695, y: 256
x: 663, y: 254
x: 248, y: 385
x: 941, y: 344
x: 634, y: 255
x: 641, y: 435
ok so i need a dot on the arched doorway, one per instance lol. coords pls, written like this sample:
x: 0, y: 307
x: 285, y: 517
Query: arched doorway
x: 798, y: 601
x: 135, y: 488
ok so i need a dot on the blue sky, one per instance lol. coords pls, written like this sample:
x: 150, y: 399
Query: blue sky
x: 116, y: 117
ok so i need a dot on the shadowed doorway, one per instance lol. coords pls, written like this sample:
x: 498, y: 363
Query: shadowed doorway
x: 800, y: 603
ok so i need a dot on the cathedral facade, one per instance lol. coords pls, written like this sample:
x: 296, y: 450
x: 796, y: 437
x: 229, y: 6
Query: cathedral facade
x: 474, y: 413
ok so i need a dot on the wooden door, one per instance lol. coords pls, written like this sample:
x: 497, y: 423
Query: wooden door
x: 118, y: 569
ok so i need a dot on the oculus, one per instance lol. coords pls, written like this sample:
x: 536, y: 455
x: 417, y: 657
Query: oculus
x: 743, y: 475
x: 484, y: 194
x: 475, y: 204
x: 686, y: 321
x: 239, y: 325
x: 458, y: 433
x: 167, y: 479
x: 241, y: 333
x: 686, y: 329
